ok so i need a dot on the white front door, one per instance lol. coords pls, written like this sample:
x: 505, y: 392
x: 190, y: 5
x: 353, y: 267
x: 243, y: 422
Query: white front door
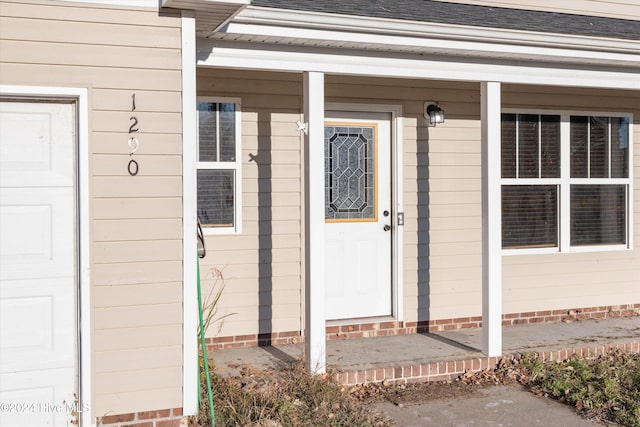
x: 38, y: 326
x: 358, y: 215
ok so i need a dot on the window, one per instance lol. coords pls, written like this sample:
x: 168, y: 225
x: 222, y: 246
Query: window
x: 566, y: 181
x: 219, y: 165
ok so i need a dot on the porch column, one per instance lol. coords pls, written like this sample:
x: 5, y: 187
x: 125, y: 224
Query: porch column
x: 191, y: 369
x: 491, y: 220
x: 315, y: 338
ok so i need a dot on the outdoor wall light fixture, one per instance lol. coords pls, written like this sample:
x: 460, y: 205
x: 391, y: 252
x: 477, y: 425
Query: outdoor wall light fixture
x: 433, y: 113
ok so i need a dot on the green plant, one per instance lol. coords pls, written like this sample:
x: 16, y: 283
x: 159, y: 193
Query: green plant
x: 606, y: 387
x: 211, y: 302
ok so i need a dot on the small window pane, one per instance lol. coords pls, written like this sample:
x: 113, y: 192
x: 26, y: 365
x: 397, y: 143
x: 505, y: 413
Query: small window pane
x: 550, y: 146
x: 528, y: 146
x: 227, y: 132
x: 207, y: 132
x: 599, y: 147
x: 529, y: 216
x: 216, y: 197
x: 619, y: 147
x: 508, y: 146
x: 579, y: 141
x: 598, y: 214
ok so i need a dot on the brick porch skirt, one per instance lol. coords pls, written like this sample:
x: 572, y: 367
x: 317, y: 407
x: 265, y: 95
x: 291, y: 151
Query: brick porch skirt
x: 378, y: 329
x: 437, y: 371
x: 160, y: 418
x: 452, y: 369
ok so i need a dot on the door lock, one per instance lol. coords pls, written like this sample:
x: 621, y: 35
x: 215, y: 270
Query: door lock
x: 386, y: 227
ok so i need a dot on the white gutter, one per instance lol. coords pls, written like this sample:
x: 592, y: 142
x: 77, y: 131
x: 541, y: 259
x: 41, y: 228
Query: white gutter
x: 312, y: 29
x: 430, y: 30
x: 369, y: 41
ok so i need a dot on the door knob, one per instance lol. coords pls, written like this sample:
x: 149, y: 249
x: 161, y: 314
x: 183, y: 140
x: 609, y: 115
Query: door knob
x: 387, y: 227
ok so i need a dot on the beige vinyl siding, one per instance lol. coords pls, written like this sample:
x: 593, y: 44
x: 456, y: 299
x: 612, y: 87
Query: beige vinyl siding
x: 442, y: 195
x: 136, y: 225
x: 442, y: 202
x: 260, y: 268
x: 620, y: 9
x: 557, y: 281
x: 441, y: 177
x: 434, y: 287
x: 442, y: 254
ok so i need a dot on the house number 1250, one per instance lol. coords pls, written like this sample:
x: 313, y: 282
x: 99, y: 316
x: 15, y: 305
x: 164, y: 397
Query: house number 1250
x: 133, y: 167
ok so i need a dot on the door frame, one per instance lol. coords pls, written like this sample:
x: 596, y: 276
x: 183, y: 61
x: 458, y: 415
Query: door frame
x: 83, y: 272
x: 395, y: 111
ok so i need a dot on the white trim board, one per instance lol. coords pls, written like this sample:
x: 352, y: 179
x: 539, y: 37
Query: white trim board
x: 313, y: 194
x: 190, y: 366
x: 221, y: 54
x: 397, y: 266
x: 84, y: 239
x: 236, y: 166
x: 490, y: 118
x: 129, y: 3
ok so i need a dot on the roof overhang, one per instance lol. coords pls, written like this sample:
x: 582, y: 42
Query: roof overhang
x: 210, y: 14
x: 291, y: 36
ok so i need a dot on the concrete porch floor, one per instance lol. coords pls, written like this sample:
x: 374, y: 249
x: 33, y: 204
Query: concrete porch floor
x: 442, y: 355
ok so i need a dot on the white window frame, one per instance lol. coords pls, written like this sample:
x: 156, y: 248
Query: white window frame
x: 565, y: 181
x: 235, y: 166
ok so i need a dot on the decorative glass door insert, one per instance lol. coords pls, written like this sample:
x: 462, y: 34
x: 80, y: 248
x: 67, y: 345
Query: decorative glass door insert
x: 350, y: 172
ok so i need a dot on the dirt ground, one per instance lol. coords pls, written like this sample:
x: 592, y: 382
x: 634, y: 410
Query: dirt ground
x: 412, y: 394
x: 483, y: 398
x: 468, y: 385
x: 398, y: 394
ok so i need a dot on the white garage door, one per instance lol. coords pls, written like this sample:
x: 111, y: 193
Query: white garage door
x: 38, y: 333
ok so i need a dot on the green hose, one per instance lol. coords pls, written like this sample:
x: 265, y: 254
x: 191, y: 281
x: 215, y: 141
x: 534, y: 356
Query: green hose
x: 205, y: 359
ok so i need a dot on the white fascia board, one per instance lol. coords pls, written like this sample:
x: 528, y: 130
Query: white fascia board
x: 178, y: 4
x: 129, y: 3
x: 214, y: 53
x: 431, y: 30
x: 426, y: 45
x: 197, y: 4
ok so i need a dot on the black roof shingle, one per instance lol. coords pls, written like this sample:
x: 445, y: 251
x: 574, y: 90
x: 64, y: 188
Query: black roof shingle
x: 472, y: 15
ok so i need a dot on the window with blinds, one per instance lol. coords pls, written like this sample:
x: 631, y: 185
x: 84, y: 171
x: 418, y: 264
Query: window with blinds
x: 599, y: 175
x: 218, y: 164
x: 565, y: 172
x: 530, y: 172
